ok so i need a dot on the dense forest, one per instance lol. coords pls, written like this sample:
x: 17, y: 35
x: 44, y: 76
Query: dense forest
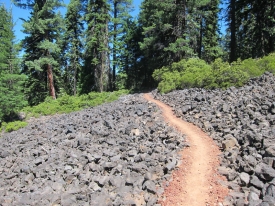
x: 98, y: 46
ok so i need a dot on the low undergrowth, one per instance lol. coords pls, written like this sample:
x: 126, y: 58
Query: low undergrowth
x: 67, y: 104
x: 195, y: 72
x: 12, y: 126
x: 63, y: 104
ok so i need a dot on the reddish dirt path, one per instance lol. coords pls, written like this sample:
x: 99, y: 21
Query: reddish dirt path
x: 196, y: 180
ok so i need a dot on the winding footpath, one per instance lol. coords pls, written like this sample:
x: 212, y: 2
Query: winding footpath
x: 196, y: 181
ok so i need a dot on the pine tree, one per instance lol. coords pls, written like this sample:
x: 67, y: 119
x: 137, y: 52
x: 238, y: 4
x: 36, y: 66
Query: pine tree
x: 11, y: 82
x: 173, y: 30
x: 257, y: 21
x: 41, y: 62
x: 231, y: 18
x: 251, y: 28
x: 209, y: 48
x: 73, y: 46
x: 186, y: 30
x: 120, y: 14
x: 131, y: 56
x: 156, y: 20
x: 96, y: 71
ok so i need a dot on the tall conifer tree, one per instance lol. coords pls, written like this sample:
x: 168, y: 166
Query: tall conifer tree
x: 73, y: 45
x: 131, y: 54
x: 256, y: 22
x: 210, y: 32
x: 11, y: 82
x: 41, y: 46
x: 231, y: 18
x: 173, y: 30
x: 251, y: 28
x: 120, y: 14
x: 156, y: 20
x: 96, y: 71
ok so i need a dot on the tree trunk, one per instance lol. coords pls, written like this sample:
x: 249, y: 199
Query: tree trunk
x: 200, y: 38
x: 114, y: 46
x: 76, y: 61
x: 50, y: 72
x: 75, y: 77
x: 179, y: 26
x: 50, y: 81
x: 233, y: 43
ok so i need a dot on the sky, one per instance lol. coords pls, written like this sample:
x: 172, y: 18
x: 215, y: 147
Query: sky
x: 19, y: 13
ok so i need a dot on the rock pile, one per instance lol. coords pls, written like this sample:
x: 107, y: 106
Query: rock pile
x: 120, y: 153
x: 242, y: 122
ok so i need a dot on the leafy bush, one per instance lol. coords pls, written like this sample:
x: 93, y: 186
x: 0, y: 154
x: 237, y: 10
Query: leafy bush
x: 251, y: 67
x: 197, y: 73
x: 183, y: 74
x: 67, y: 104
x: 64, y: 104
x: 13, y: 126
x: 267, y: 63
x: 225, y: 75
x: 170, y: 81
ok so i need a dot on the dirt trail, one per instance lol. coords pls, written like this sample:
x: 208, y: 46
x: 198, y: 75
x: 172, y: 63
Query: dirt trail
x: 196, y: 181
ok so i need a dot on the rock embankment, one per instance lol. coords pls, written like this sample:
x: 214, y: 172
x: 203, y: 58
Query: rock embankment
x: 120, y: 153
x: 242, y: 122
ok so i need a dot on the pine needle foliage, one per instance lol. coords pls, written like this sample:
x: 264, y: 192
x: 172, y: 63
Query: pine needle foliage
x: 42, y: 49
x: 11, y: 81
x: 73, y: 46
x: 96, y: 70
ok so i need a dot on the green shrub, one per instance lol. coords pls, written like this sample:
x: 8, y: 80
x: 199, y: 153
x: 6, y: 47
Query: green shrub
x: 170, y: 82
x: 196, y: 74
x: 178, y: 66
x: 225, y: 75
x: 250, y: 66
x: 13, y: 126
x: 267, y: 63
x: 64, y: 104
x: 67, y: 104
x: 3, y: 126
x: 193, y: 72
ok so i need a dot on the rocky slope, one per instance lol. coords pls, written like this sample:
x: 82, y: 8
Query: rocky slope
x: 123, y: 153
x: 242, y: 122
x: 120, y: 153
